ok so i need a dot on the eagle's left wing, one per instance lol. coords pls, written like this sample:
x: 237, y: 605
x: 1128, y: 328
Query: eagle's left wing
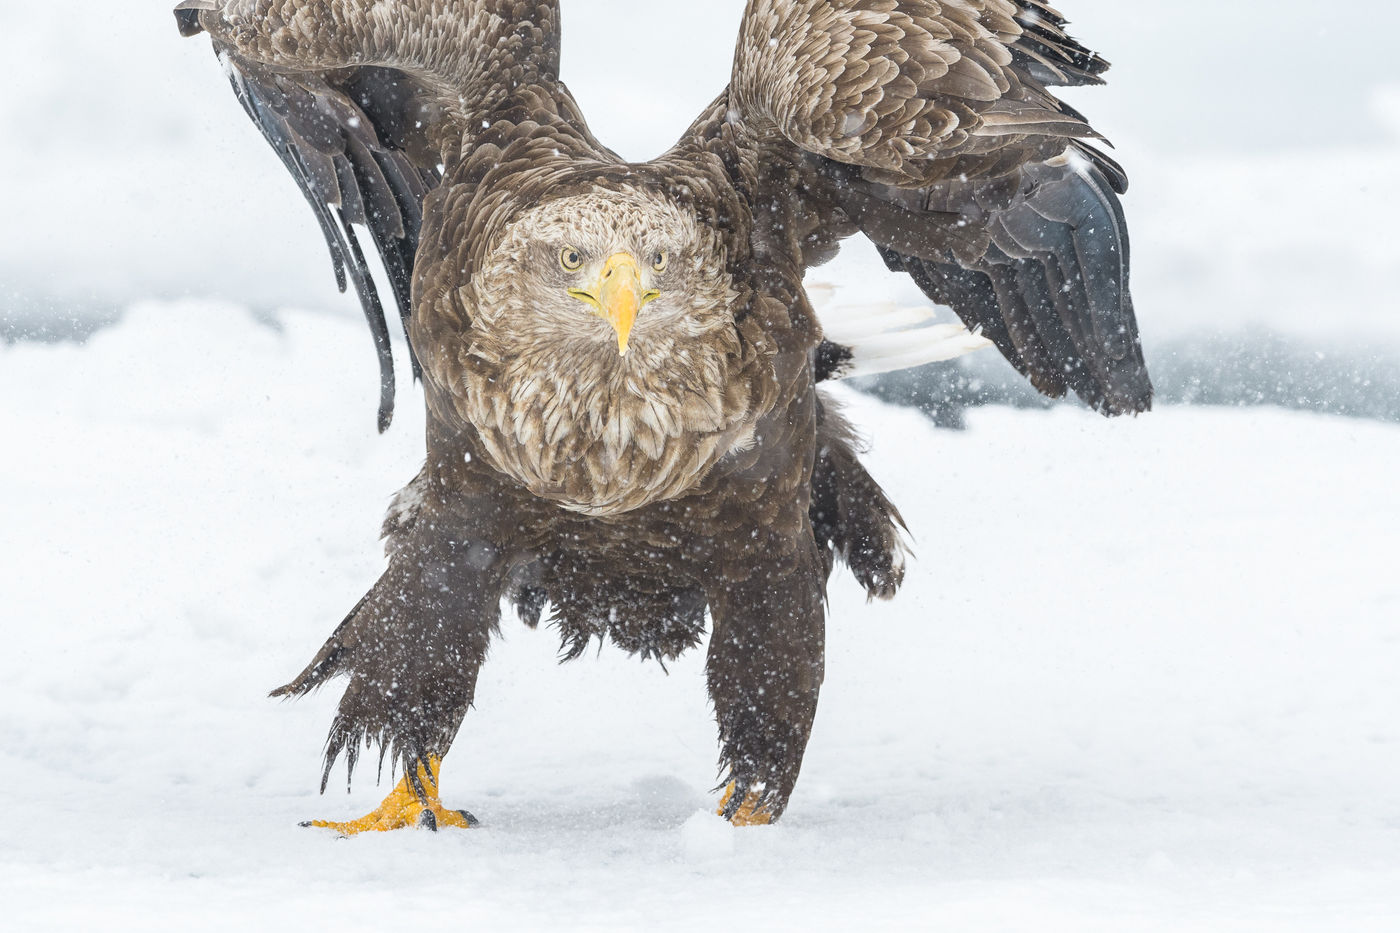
x: 928, y: 127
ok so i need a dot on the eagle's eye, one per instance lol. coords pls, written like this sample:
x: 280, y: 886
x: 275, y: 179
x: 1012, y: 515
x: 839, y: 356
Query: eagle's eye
x: 570, y: 259
x: 658, y: 260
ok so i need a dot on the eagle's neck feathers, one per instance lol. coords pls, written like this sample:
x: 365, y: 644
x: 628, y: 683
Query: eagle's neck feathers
x: 601, y: 434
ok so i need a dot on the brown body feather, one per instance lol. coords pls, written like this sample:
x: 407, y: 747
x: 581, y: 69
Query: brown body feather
x: 702, y: 471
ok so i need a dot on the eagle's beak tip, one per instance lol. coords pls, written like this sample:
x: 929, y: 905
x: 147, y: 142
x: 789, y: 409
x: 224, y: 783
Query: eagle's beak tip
x: 618, y: 296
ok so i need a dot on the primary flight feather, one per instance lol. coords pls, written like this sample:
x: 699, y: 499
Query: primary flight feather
x: 619, y: 360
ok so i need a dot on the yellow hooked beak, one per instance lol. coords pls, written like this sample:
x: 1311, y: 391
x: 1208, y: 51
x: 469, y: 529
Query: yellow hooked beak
x: 618, y: 296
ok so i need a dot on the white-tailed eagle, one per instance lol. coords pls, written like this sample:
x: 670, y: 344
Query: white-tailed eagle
x: 619, y: 361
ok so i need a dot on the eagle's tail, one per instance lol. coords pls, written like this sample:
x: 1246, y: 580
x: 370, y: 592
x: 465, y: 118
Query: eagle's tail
x: 852, y: 518
x: 874, y: 339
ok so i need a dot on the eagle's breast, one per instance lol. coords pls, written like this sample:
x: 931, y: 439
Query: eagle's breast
x: 603, y: 436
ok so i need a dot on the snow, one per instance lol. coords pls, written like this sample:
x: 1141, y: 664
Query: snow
x: 1142, y: 675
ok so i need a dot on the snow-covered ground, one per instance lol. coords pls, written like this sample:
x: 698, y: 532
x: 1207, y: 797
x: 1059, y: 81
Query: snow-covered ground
x: 1142, y: 676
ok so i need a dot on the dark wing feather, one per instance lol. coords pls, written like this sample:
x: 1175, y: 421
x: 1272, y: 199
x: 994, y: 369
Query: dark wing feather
x: 364, y: 103
x: 1051, y: 288
x: 1047, y: 55
x: 331, y: 146
x: 928, y: 128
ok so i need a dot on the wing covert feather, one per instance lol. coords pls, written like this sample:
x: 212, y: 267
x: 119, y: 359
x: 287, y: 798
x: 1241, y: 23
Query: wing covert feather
x: 899, y: 85
x: 470, y: 52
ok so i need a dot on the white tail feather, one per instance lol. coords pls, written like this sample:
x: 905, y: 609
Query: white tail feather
x: 848, y: 325
x: 884, y: 337
x: 907, y: 349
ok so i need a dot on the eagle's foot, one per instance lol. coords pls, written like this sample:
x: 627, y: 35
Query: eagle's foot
x: 748, y: 813
x: 404, y: 808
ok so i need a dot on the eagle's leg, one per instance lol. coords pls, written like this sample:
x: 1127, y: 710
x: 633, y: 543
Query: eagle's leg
x: 412, y: 650
x: 764, y: 672
x: 404, y: 807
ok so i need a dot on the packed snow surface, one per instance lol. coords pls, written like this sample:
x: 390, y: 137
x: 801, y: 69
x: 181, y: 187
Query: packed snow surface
x: 1142, y: 676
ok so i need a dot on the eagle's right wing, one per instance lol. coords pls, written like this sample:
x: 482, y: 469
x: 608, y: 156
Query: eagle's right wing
x: 365, y: 102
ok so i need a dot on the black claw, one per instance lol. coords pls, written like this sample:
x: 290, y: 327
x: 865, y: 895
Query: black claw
x: 427, y: 821
x: 471, y: 820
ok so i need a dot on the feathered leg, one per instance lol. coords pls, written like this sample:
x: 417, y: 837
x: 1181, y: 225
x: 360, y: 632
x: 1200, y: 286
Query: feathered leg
x: 412, y: 649
x: 764, y: 673
x: 851, y: 516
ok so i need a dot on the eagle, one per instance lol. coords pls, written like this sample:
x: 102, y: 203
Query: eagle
x: 619, y: 361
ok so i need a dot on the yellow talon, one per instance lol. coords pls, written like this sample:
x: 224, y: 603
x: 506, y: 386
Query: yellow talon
x: 402, y: 808
x: 749, y: 813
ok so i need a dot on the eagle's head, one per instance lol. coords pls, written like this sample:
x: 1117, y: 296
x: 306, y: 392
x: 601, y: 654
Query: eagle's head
x: 625, y: 271
x: 605, y: 362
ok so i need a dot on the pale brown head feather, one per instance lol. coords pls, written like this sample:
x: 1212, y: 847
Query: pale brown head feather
x: 555, y: 405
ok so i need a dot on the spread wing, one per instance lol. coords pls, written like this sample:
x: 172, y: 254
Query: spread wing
x: 365, y: 101
x: 928, y: 127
